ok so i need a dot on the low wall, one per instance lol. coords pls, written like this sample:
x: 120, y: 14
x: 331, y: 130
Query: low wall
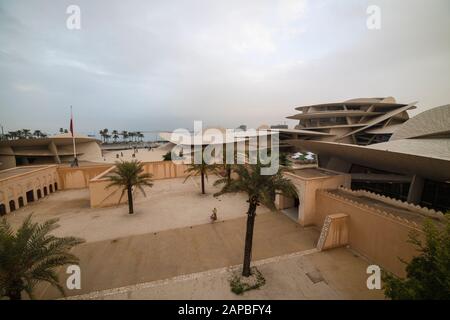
x: 101, y: 196
x: 79, y: 177
x: 379, y: 236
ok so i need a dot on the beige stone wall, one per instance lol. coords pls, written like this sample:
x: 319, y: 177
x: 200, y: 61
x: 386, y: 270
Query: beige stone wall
x: 379, y: 237
x: 306, y: 192
x: 7, y: 159
x: 89, y: 151
x: 39, y: 180
x: 101, y: 196
x: 78, y: 178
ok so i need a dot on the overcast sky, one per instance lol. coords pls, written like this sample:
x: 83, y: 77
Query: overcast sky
x: 159, y: 65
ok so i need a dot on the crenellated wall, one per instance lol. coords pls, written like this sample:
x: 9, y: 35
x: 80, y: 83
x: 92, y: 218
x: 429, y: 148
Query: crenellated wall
x: 430, y: 213
x: 380, y: 236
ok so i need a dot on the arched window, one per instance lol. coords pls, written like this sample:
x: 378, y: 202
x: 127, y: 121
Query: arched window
x: 39, y: 193
x: 2, y: 209
x: 56, y: 186
x: 51, y: 188
x: 21, y: 204
x: 12, y: 205
x: 45, y: 191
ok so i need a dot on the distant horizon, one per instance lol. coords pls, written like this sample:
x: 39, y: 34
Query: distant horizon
x: 290, y: 123
x: 145, y: 66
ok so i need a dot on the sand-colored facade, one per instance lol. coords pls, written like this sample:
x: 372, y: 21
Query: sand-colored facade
x: 19, y: 186
x: 307, y: 182
x: 80, y: 177
x: 52, y: 150
x: 380, y: 237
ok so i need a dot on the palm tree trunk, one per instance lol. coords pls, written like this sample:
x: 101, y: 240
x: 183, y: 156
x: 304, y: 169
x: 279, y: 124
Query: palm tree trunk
x: 203, y: 182
x: 130, y: 200
x: 251, y: 214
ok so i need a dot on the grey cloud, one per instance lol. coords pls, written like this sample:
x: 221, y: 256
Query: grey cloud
x: 150, y: 65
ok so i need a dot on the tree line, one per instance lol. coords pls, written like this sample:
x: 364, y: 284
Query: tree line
x: 124, y: 136
x: 24, y: 134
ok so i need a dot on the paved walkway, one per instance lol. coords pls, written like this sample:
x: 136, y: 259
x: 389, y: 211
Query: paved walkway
x: 336, y: 274
x: 166, y: 254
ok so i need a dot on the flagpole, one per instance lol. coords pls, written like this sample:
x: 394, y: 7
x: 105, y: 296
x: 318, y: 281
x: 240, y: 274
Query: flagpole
x: 75, y: 161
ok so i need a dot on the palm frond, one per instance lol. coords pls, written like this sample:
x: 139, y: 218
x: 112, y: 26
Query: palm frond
x: 263, y: 188
x: 32, y: 254
x: 129, y: 174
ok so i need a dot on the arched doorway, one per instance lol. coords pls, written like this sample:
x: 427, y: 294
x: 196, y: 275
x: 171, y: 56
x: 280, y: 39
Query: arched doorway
x: 2, y: 209
x: 30, y: 196
x: 56, y: 186
x: 290, y: 207
x: 51, y: 188
x: 12, y: 206
x: 45, y: 191
x: 39, y: 193
x: 21, y: 204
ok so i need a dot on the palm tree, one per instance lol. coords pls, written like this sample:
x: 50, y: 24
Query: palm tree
x: 284, y: 160
x: 19, y: 134
x: 37, y: 134
x: 129, y: 174
x: 228, y: 167
x: 167, y: 156
x: 26, y: 133
x: 261, y: 189
x: 202, y: 170
x: 124, y: 135
x: 31, y: 254
x: 104, y: 134
x: 12, y: 134
x: 115, y: 135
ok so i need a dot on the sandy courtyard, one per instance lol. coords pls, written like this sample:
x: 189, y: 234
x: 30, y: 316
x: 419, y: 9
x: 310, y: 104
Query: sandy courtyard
x: 170, y: 237
x: 169, y: 204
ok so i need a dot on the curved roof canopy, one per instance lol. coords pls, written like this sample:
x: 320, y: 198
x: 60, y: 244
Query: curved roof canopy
x: 432, y: 122
x: 424, y: 160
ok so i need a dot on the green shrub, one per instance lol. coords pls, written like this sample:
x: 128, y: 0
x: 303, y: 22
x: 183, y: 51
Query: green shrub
x: 240, y: 284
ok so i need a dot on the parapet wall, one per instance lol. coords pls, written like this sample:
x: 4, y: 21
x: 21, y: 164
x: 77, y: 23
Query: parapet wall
x: 37, y: 182
x: 378, y: 235
x: 430, y: 213
x: 79, y: 177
